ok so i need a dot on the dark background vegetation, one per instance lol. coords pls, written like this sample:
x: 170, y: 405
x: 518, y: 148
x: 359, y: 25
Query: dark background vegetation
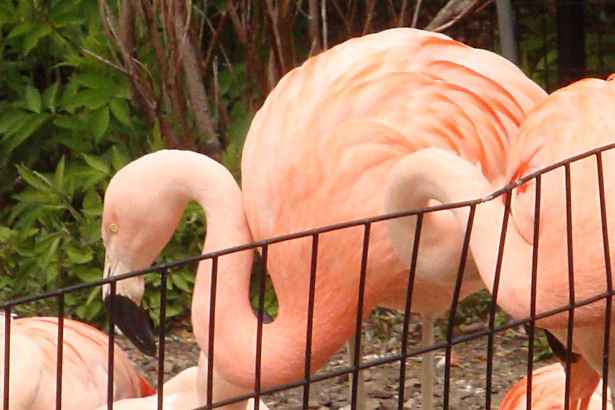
x: 87, y: 86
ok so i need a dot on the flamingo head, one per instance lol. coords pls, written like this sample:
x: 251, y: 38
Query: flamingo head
x: 140, y: 215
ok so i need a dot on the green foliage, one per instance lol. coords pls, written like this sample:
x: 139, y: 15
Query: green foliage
x: 54, y: 235
x: 66, y: 126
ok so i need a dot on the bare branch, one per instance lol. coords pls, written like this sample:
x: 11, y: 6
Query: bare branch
x: 415, y: 15
x: 243, y: 40
x: 369, y: 14
x: 71, y: 42
x: 451, y: 13
x: 194, y: 81
x: 126, y: 43
x: 323, y: 18
x: 313, y: 27
x: 401, y: 18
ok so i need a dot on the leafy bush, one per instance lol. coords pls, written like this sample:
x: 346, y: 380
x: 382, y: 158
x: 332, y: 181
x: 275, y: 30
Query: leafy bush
x: 66, y: 126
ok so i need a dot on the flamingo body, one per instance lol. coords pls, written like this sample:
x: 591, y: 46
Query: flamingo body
x: 548, y: 385
x: 568, y: 122
x: 180, y: 392
x: 32, y: 383
x: 318, y: 152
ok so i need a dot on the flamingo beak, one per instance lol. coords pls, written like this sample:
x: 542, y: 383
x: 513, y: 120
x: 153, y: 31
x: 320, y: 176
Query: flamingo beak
x: 133, y: 321
x: 124, y: 306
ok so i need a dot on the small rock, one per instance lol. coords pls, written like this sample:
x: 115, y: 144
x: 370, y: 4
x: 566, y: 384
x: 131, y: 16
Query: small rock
x: 410, y: 404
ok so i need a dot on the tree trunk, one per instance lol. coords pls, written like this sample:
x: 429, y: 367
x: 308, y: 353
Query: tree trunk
x: 507, y: 32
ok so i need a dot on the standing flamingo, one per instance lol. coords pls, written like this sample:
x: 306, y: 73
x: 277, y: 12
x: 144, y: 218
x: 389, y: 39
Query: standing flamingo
x: 33, y: 358
x: 572, y: 120
x: 548, y: 385
x: 319, y: 152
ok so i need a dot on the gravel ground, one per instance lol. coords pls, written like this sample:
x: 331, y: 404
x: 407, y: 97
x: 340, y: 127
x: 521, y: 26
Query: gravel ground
x: 380, y: 337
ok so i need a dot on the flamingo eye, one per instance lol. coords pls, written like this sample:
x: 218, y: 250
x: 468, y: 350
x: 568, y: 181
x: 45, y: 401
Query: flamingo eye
x: 113, y: 228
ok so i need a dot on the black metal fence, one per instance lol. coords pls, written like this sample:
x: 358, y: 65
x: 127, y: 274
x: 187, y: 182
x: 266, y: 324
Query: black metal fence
x: 537, y: 39
x: 404, y: 352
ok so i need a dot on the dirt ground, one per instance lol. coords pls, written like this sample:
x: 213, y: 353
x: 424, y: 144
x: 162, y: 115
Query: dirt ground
x: 381, y: 337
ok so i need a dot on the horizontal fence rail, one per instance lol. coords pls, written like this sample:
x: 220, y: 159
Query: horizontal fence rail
x: 399, y: 356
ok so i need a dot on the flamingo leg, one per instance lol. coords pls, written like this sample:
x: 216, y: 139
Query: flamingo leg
x: 361, y: 393
x: 427, y: 364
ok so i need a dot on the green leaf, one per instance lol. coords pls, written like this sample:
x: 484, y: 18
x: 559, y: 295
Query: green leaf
x: 58, y: 177
x: 32, y: 38
x: 33, y: 99
x: 78, y: 256
x: 174, y: 310
x: 100, y: 123
x: 180, y: 282
x: 94, y: 80
x: 66, y: 101
x: 92, y: 98
x: 92, y: 204
x: 118, y: 159
x: 156, y: 142
x: 10, y: 119
x: 120, y: 110
x: 20, y: 30
x: 49, y: 96
x: 35, y: 121
x: 96, y: 163
x: 70, y: 122
x: 35, y: 179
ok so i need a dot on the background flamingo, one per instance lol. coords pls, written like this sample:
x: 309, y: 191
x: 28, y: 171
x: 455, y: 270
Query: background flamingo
x: 33, y: 358
x: 571, y: 120
x: 548, y: 386
x: 319, y: 152
x: 180, y: 393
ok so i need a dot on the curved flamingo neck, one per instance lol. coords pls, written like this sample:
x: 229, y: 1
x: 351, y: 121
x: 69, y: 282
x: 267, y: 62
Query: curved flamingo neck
x: 185, y: 176
x: 438, y: 174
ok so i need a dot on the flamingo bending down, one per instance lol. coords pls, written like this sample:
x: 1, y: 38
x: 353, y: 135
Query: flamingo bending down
x: 572, y: 120
x: 33, y: 358
x: 181, y: 392
x: 319, y: 152
x: 548, y: 385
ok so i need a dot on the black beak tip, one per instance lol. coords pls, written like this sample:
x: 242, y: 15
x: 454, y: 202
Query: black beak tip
x: 133, y: 321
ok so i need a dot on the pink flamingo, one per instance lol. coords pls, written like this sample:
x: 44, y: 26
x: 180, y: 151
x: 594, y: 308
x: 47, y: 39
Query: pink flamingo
x: 33, y: 358
x: 181, y: 392
x: 572, y: 120
x: 319, y: 152
x: 548, y: 384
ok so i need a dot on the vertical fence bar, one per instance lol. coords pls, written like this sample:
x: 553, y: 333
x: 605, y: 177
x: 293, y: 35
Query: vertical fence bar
x: 259, y: 326
x: 7, y: 356
x: 359, y: 319
x: 494, y: 301
x: 212, y: 328
x: 161, y: 329
x: 310, y: 323
x: 408, y: 310
x: 571, y: 295
x: 609, y: 283
x: 111, y: 347
x: 453, y: 310
x: 532, y: 322
x: 60, y: 351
